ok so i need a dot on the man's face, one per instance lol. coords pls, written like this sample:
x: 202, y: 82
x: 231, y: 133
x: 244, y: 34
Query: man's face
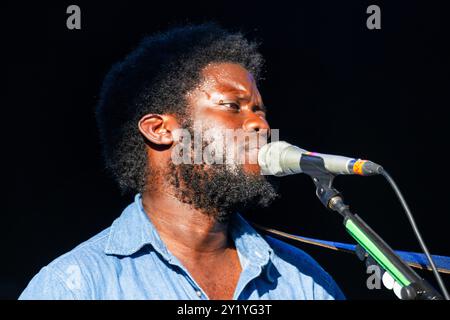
x: 227, y: 99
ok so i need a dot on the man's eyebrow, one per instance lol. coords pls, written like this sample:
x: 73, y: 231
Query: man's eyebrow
x: 261, y: 107
x: 241, y: 95
x: 244, y: 96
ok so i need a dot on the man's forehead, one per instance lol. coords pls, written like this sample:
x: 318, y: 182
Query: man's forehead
x: 231, y: 77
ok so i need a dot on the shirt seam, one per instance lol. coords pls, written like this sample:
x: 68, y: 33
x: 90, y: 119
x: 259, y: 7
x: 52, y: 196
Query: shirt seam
x: 86, y: 244
x: 55, y: 272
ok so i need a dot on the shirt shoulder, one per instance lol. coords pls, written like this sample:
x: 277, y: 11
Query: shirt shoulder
x: 296, y: 265
x: 71, y: 275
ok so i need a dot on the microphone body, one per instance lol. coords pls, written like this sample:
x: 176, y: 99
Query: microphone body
x: 281, y: 158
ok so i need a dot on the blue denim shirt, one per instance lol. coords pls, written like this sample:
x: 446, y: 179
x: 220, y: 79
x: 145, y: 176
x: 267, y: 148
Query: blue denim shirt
x: 130, y: 261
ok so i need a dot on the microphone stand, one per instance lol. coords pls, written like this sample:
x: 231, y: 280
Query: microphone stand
x: 413, y: 286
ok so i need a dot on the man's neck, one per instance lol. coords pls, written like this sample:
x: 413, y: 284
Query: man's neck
x: 187, y: 232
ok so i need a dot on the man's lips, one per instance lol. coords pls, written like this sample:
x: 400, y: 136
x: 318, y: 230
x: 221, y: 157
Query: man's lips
x: 251, y: 154
x: 248, y: 149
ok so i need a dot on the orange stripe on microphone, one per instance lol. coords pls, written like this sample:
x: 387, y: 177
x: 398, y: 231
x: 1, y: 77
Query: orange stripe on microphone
x: 358, y: 167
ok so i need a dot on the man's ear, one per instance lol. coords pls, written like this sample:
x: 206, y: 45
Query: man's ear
x: 157, y: 128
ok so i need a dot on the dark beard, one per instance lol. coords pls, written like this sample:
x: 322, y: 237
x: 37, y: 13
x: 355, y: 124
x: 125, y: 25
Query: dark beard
x: 220, y: 192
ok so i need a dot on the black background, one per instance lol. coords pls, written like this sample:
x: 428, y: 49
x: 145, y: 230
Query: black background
x: 332, y: 86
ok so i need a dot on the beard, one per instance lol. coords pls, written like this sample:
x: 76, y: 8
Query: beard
x: 221, y: 190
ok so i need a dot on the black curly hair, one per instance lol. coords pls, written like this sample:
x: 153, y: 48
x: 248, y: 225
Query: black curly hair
x: 155, y: 78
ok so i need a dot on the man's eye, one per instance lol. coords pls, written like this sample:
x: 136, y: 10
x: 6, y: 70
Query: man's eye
x: 231, y: 105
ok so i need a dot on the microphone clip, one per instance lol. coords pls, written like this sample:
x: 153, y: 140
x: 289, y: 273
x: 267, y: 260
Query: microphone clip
x: 322, y: 178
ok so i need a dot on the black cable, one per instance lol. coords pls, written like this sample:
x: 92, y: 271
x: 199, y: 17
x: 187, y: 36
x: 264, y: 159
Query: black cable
x: 416, y: 232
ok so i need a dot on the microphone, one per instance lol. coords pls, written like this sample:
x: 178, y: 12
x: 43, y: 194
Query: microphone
x: 281, y: 159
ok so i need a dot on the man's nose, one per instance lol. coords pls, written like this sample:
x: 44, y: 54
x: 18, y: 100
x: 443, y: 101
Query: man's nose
x: 255, y: 123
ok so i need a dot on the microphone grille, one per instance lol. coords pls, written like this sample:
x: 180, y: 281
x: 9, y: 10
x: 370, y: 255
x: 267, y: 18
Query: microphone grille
x: 270, y: 158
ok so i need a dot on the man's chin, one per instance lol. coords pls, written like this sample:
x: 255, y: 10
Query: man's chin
x: 222, y: 189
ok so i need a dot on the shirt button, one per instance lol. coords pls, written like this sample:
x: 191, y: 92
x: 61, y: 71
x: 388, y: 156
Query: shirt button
x: 199, y: 293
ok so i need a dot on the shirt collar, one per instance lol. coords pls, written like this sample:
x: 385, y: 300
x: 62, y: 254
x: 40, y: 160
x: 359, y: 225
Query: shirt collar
x: 133, y: 230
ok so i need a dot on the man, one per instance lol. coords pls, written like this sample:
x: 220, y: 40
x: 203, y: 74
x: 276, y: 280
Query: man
x: 183, y: 237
